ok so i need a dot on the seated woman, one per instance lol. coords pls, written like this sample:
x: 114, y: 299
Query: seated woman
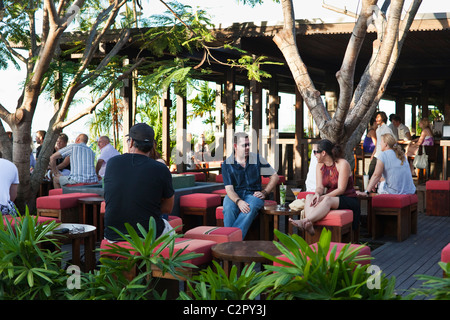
x: 425, y: 139
x: 333, y: 172
x: 393, y: 166
x: 370, y: 141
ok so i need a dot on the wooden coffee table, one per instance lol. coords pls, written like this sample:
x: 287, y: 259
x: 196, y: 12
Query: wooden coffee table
x: 78, y: 233
x: 241, y: 253
x: 274, y: 212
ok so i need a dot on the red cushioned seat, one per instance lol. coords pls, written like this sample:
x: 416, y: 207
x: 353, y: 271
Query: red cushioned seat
x: 219, y: 212
x: 339, y: 222
x: 199, y: 204
x: 437, y: 185
x: 176, y: 223
x: 303, y: 194
x: 54, y: 192
x: 445, y: 254
x: 219, y: 178
x: 103, y: 207
x: 265, y: 180
x: 200, y: 200
x: 216, y: 234
x: 364, y: 251
x: 336, y: 218
x: 413, y: 199
x: 40, y: 220
x: 391, y: 200
x: 220, y: 192
x: 270, y: 203
x: 189, y: 246
x: 61, y: 201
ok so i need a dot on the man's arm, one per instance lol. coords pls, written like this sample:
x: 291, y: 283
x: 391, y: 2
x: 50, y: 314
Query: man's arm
x: 53, y: 159
x: 242, y: 205
x: 99, y: 165
x: 63, y: 164
x: 167, y: 205
x: 13, y: 192
x: 273, y: 180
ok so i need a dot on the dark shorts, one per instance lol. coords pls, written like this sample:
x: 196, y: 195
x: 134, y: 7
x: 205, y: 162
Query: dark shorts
x: 351, y: 203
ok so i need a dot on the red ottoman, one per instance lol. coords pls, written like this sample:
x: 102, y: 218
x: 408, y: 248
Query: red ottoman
x: 219, y: 216
x: 199, y: 204
x: 364, y: 252
x: 64, y: 207
x: 391, y: 215
x: 445, y: 256
x: 303, y: 194
x: 187, y: 245
x: 438, y: 198
x: 40, y: 220
x: 216, y: 234
x: 339, y: 222
x: 176, y: 223
x: 54, y: 192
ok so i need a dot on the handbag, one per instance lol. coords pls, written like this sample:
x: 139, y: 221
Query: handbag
x: 421, y: 160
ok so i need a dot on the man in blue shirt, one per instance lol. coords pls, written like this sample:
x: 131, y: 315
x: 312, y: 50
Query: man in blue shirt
x: 242, y: 173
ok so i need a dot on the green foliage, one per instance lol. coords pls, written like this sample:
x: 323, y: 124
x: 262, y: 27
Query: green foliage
x: 310, y: 275
x: 27, y: 271
x: 143, y: 254
x: 214, y: 284
x: 434, y: 288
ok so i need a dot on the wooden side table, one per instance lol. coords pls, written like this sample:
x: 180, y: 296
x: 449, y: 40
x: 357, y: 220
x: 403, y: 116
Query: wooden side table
x: 275, y: 212
x: 368, y: 200
x: 77, y: 233
x: 91, y: 205
x: 241, y: 253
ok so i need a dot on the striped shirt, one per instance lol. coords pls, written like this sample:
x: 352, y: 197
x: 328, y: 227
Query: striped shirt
x: 82, y: 166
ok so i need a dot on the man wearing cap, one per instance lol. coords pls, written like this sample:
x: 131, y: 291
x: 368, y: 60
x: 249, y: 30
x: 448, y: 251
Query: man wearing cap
x: 137, y: 187
x: 82, y: 163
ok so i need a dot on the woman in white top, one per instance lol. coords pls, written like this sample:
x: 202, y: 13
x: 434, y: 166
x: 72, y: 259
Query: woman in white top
x: 393, y: 166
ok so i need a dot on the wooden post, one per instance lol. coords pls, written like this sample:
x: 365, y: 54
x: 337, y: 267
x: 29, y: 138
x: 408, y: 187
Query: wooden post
x: 182, y: 147
x: 128, y: 93
x: 300, y: 169
x: 274, y: 105
x: 256, y: 109
x: 166, y: 104
x: 447, y: 102
x: 229, y: 114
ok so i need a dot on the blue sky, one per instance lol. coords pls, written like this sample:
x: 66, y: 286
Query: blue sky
x: 223, y: 12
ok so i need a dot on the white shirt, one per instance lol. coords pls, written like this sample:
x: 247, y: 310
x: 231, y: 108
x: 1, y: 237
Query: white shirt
x: 402, y: 131
x: 8, y: 175
x: 107, y: 152
x: 383, y: 129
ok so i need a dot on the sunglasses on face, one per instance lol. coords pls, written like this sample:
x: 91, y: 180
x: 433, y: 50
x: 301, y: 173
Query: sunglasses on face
x: 317, y: 151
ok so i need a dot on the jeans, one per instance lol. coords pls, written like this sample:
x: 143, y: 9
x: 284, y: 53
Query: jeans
x: 232, y: 217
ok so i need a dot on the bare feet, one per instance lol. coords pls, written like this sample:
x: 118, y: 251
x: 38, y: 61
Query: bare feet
x: 303, y: 224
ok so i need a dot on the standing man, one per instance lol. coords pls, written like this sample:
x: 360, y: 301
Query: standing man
x: 137, y: 187
x: 380, y: 119
x: 242, y: 173
x: 82, y: 158
x: 107, y: 151
x: 40, y: 135
x: 9, y: 182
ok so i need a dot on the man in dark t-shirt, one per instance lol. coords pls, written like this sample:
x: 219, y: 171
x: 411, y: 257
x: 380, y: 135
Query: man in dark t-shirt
x: 137, y: 187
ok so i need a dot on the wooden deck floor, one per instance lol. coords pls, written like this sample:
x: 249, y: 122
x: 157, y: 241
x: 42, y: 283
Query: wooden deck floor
x: 419, y: 254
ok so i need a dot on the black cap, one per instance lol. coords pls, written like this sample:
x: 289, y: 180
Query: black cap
x: 142, y: 132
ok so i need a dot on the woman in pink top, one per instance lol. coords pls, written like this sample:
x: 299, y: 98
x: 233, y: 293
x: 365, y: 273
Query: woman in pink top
x: 334, y: 188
